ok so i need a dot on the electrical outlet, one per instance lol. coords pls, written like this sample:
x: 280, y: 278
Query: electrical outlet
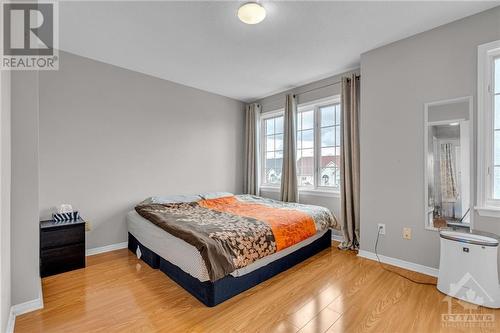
x: 407, y: 233
x: 88, y: 226
x: 381, y: 228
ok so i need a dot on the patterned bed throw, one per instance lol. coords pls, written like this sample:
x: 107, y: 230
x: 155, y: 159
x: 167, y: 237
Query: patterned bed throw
x: 233, y: 231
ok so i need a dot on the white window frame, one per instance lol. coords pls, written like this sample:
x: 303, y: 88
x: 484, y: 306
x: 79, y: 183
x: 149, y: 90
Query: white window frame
x: 486, y: 205
x: 262, y: 145
x: 315, y: 106
x: 321, y: 191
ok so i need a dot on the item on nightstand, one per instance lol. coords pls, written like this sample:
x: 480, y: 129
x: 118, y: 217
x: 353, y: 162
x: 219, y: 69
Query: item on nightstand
x: 71, y: 216
x: 65, y: 208
x: 468, y: 268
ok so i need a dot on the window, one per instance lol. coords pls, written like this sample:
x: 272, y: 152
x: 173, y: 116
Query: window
x: 272, y: 147
x: 489, y: 129
x: 305, y: 148
x: 330, y: 146
x: 318, y: 146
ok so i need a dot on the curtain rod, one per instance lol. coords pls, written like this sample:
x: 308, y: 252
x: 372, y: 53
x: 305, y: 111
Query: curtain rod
x: 327, y: 85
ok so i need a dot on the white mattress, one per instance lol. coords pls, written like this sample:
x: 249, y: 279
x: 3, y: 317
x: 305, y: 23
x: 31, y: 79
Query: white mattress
x: 187, y: 257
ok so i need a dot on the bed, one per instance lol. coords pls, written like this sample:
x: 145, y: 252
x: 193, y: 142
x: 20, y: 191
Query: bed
x: 218, y: 245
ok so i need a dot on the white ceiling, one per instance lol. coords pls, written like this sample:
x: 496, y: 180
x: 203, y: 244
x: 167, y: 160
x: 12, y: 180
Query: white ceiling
x: 203, y: 45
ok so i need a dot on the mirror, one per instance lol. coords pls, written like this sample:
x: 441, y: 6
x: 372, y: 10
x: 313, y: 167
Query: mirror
x: 448, y: 144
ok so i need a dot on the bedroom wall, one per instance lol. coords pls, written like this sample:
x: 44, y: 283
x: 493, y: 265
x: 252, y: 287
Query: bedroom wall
x: 306, y: 93
x: 397, y: 80
x: 327, y: 87
x: 5, y: 160
x: 110, y: 137
x: 25, y: 186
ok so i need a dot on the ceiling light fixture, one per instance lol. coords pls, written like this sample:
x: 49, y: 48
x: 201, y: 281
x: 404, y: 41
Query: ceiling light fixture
x: 251, y: 13
x: 454, y: 124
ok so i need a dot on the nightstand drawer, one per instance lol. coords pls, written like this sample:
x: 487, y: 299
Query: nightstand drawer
x: 62, y: 246
x: 55, y: 237
x: 62, y: 259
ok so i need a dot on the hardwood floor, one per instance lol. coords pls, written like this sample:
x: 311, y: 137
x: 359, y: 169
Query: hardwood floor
x: 332, y: 292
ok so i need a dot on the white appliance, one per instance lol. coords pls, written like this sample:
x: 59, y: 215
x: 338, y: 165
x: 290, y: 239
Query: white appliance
x: 468, y: 268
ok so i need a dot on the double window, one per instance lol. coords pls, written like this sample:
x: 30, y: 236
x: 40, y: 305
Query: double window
x: 489, y: 129
x: 318, y: 146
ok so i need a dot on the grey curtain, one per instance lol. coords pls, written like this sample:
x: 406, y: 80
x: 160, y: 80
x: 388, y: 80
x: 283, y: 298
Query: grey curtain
x: 349, y: 163
x: 251, y: 182
x: 289, y: 192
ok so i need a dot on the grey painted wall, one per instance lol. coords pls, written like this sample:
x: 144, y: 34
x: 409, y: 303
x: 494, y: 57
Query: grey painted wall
x: 397, y: 80
x: 450, y: 111
x: 5, y: 281
x: 307, y: 93
x: 111, y: 137
x: 24, y: 194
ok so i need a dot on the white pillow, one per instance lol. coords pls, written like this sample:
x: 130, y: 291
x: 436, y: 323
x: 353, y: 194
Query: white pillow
x: 163, y: 199
x: 215, y: 195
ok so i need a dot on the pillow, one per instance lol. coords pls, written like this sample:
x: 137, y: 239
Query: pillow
x: 215, y: 195
x: 171, y: 199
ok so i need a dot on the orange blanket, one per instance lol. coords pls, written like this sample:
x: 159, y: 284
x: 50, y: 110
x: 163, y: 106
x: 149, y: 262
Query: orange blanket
x: 289, y: 226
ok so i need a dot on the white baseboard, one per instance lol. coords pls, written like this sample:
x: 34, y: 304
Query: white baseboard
x: 26, y: 307
x: 22, y: 308
x: 11, y: 323
x: 400, y: 263
x: 107, y: 248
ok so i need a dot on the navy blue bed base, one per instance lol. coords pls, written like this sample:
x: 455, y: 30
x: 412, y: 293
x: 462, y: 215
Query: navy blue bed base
x: 213, y: 293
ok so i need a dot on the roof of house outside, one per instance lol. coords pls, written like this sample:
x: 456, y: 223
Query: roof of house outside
x: 305, y: 165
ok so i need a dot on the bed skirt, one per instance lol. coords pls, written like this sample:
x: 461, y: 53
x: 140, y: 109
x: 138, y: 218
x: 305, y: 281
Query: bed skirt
x: 213, y: 293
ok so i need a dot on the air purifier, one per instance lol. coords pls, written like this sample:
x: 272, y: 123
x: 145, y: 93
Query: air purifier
x: 468, y: 268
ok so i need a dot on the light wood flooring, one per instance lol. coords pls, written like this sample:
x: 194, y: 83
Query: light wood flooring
x: 333, y: 291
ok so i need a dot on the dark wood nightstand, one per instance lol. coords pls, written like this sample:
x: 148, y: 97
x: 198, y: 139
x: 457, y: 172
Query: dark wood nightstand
x: 62, y: 246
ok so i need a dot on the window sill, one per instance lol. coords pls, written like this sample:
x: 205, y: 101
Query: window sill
x: 320, y: 193
x: 310, y: 192
x: 267, y: 188
x: 488, y: 211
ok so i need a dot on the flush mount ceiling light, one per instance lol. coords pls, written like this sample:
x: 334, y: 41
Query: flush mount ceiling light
x: 251, y: 13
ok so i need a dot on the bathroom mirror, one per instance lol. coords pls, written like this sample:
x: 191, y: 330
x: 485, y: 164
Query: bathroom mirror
x: 447, y: 153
